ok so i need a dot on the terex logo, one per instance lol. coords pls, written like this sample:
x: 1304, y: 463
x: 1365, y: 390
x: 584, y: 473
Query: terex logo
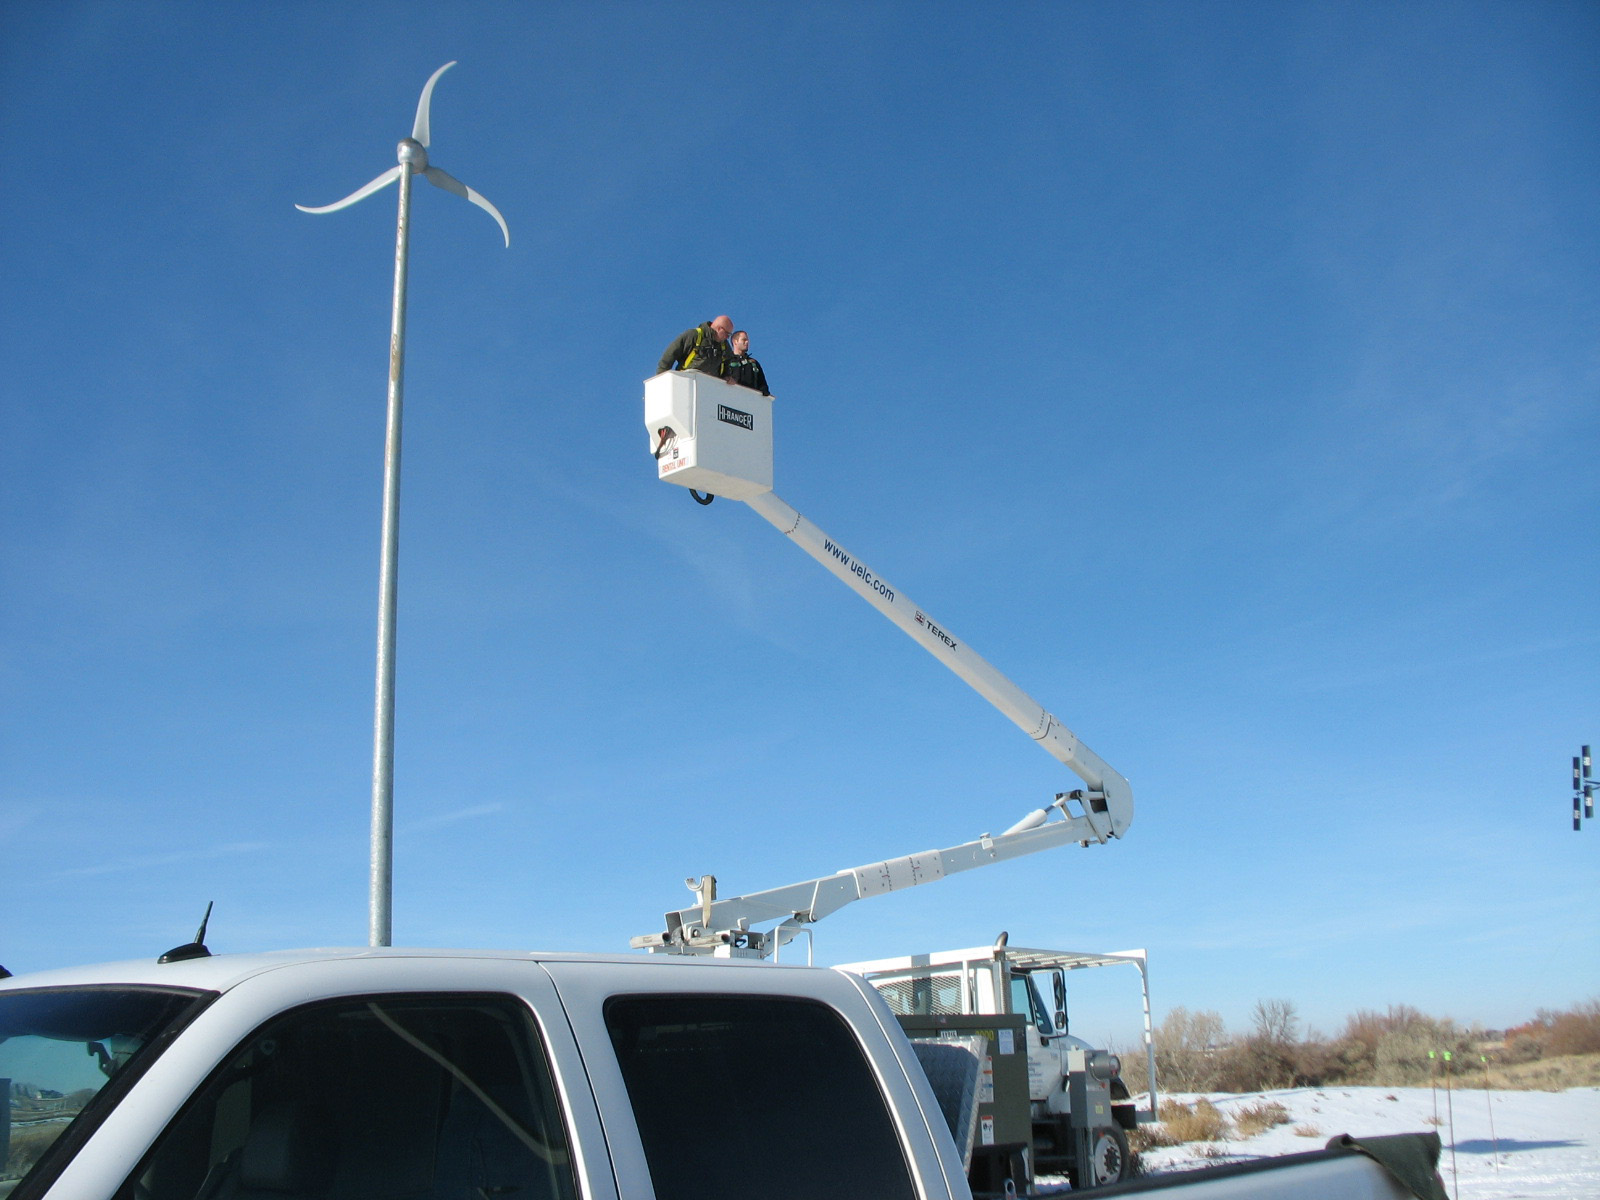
x: 735, y: 417
x: 935, y: 630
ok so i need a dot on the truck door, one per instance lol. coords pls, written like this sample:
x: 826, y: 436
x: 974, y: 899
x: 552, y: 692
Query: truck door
x: 727, y: 1082
x: 382, y: 1095
x: 384, y: 1077
x: 1025, y: 1002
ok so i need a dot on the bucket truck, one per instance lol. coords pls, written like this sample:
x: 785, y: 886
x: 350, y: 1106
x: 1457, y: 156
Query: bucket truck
x: 715, y: 438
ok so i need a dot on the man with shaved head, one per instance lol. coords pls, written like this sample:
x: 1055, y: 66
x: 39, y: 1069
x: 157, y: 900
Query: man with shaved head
x: 703, y: 348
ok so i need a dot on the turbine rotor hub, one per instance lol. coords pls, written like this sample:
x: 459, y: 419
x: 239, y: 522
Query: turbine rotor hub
x: 413, y: 155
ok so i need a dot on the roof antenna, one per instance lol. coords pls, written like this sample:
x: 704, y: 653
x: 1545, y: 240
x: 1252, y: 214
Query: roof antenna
x: 413, y: 153
x: 194, y: 949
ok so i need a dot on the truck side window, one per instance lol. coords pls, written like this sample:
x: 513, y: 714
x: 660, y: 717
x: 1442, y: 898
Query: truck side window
x: 1025, y: 1002
x: 934, y: 994
x: 392, y: 1097
x: 742, y: 1096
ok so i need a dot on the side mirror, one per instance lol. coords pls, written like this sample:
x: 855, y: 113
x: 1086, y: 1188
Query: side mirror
x: 1059, y: 982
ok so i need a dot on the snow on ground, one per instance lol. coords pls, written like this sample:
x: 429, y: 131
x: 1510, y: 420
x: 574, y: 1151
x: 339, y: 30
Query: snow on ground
x: 1505, y: 1144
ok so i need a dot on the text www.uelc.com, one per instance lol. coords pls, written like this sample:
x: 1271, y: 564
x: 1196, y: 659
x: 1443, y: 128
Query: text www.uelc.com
x: 855, y: 568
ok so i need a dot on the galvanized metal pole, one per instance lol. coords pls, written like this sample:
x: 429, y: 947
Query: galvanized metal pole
x: 413, y: 152
x: 381, y: 896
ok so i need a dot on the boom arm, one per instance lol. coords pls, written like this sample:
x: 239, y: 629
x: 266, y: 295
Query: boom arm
x: 722, y: 441
x: 714, y: 924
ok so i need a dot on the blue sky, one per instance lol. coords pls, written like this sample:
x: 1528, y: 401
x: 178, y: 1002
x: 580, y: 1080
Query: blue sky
x: 1225, y: 373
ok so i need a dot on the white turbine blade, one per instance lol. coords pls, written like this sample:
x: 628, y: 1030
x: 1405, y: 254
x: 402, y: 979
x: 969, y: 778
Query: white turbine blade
x: 451, y: 184
x: 419, y: 131
x: 383, y: 180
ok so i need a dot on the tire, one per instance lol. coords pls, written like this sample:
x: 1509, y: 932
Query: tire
x: 1108, y: 1159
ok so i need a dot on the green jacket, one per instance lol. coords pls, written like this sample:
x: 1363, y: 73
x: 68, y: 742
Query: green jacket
x: 746, y: 372
x: 696, y: 349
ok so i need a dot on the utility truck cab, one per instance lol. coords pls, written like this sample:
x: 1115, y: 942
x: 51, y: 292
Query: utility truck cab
x: 1081, y: 1108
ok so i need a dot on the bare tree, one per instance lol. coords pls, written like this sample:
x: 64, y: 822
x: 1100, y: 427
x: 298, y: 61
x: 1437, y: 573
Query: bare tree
x: 1275, y: 1022
x: 1187, y: 1045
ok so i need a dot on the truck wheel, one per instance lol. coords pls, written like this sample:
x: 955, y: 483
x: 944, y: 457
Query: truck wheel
x: 1108, y: 1159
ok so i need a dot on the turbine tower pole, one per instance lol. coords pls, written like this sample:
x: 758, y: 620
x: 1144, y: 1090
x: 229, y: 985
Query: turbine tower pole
x: 380, y: 900
x: 413, y: 154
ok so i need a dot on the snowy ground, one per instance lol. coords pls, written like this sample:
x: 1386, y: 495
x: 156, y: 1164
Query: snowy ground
x: 1506, y: 1144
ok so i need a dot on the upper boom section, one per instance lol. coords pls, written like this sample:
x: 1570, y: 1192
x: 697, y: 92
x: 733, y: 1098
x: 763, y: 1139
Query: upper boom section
x: 1025, y: 712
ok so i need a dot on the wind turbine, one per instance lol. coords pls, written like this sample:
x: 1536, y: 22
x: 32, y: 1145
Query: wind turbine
x: 413, y: 152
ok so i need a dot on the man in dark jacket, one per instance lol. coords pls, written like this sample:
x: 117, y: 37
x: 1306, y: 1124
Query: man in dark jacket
x: 742, y: 369
x: 703, y: 348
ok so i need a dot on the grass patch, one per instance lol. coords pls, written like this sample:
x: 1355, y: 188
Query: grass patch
x: 27, y: 1144
x: 1544, y: 1075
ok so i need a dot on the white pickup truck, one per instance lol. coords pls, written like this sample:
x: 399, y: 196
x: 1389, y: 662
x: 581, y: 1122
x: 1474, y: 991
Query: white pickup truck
x: 390, y: 1074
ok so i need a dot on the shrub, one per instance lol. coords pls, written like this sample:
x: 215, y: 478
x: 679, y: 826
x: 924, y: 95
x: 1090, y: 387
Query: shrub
x: 1317, y: 1063
x: 1575, y: 1032
x: 1400, y: 1046
x: 1403, y: 1056
x: 1521, y: 1047
x: 1146, y: 1137
x: 1200, y: 1122
x: 1258, y: 1118
x: 1255, y: 1065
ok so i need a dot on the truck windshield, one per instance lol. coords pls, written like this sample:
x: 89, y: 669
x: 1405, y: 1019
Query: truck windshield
x: 59, y: 1049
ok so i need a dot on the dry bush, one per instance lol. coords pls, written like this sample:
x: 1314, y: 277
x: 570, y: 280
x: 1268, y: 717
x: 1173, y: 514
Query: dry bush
x: 1307, y: 1131
x: 1174, y: 1125
x: 1545, y: 1075
x: 1404, y: 1057
x: 1260, y: 1117
x: 1197, y: 1122
x: 1389, y: 1048
x: 1401, y: 1046
x: 1576, y: 1031
x: 1146, y: 1137
x: 1318, y: 1063
x: 1571, y: 1034
x: 1520, y: 1047
x: 28, y: 1143
x: 1255, y: 1066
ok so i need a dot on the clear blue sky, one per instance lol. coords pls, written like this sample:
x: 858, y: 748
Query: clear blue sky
x: 1227, y: 374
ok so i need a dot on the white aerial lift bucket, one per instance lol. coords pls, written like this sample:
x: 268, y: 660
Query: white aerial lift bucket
x: 708, y: 434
